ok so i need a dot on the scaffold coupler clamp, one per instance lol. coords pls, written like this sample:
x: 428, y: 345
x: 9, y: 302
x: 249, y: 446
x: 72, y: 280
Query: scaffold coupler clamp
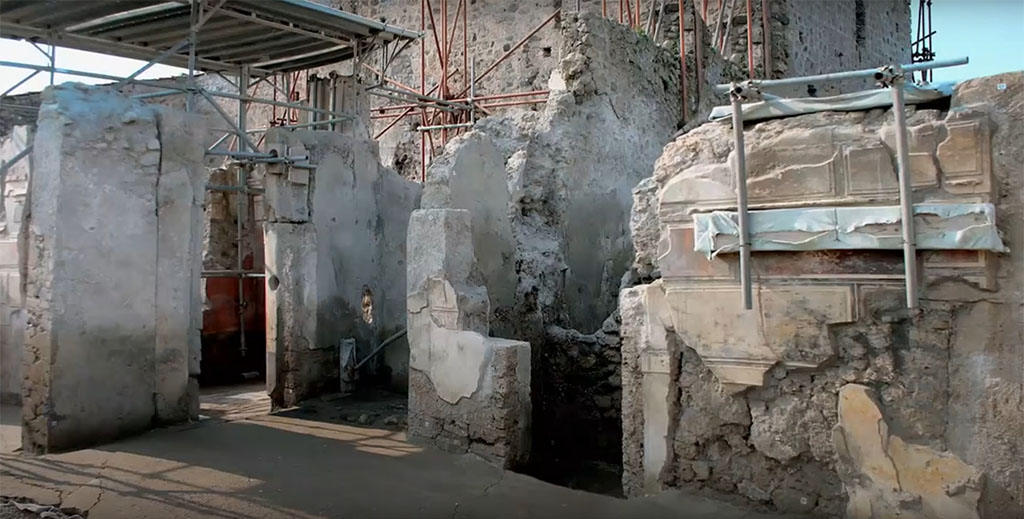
x: 888, y: 75
x: 746, y: 91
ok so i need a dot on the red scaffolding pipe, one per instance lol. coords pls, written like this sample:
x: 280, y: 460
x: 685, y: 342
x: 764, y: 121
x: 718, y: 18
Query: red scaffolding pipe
x: 423, y: 91
x: 514, y: 48
x: 444, y: 67
x: 682, y: 54
x: 750, y: 41
x: 465, y: 99
x: 698, y: 40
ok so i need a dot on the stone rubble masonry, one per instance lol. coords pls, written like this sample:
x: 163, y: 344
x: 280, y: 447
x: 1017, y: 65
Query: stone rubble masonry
x: 468, y: 392
x: 112, y: 265
x: 335, y: 257
x: 744, y: 402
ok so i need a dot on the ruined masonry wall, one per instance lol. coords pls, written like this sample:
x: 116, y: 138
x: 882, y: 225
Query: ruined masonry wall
x: 808, y: 37
x: 549, y: 198
x: 112, y: 265
x: 468, y: 392
x: 335, y: 255
x: 829, y: 398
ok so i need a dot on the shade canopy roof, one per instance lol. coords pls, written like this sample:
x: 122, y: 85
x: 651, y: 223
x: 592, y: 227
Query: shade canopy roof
x: 267, y: 35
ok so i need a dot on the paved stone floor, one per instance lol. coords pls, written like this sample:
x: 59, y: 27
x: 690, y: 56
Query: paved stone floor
x: 304, y: 465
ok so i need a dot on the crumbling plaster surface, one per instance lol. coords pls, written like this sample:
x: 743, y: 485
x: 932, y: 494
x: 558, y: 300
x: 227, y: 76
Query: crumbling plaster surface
x: 112, y: 267
x: 889, y: 477
x: 468, y: 392
x: 549, y: 197
x: 335, y: 239
x: 754, y: 417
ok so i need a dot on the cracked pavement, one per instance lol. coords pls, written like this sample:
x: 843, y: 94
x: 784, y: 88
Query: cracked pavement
x: 279, y: 466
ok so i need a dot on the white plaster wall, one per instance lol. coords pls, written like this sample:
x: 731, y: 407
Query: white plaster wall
x: 112, y: 268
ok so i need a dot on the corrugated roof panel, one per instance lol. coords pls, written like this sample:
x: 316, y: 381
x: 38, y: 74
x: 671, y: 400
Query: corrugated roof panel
x: 298, y: 33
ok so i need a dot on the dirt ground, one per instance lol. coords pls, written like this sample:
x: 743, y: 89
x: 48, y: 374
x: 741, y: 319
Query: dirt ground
x: 336, y: 457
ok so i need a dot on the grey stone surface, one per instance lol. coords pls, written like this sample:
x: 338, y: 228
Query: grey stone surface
x: 467, y: 392
x: 471, y: 175
x: 340, y: 261
x: 111, y: 270
x: 181, y: 190
x: 986, y: 401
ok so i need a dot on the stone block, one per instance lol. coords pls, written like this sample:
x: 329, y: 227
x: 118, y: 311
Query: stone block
x: 471, y: 175
x: 798, y: 165
x: 286, y: 201
x: 92, y: 270
x: 958, y: 153
x: 11, y: 289
x: 924, y: 172
x: 682, y: 260
x: 290, y: 332
x: 965, y: 156
x: 699, y: 185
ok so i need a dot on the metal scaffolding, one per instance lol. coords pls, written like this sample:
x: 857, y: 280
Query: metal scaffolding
x: 450, y: 106
x: 890, y: 76
x: 256, y: 41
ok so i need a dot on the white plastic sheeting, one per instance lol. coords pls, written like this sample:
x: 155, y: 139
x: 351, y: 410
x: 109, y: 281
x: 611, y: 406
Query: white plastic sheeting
x: 936, y: 227
x: 775, y: 107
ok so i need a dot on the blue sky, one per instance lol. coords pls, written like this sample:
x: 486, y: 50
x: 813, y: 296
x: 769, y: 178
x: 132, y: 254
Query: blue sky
x: 990, y: 32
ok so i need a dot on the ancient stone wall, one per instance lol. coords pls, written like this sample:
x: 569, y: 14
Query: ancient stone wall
x: 547, y: 194
x: 811, y: 37
x: 808, y: 37
x: 112, y: 268
x: 335, y: 255
x: 773, y: 403
x: 468, y: 392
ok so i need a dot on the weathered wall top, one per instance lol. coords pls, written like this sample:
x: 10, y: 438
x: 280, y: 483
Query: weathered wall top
x: 824, y: 317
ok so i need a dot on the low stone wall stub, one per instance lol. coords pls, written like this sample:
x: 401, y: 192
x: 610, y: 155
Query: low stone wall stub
x: 468, y: 392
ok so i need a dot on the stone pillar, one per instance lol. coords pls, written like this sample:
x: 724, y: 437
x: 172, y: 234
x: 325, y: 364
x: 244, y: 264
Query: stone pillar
x: 467, y: 392
x: 179, y: 318
x: 111, y: 269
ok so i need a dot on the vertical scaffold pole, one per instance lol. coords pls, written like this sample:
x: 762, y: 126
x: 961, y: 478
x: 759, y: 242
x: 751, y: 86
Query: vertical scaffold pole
x: 743, y: 215
x: 906, y: 189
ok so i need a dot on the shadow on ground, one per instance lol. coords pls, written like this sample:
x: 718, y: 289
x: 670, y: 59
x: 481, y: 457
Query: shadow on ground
x: 287, y: 466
